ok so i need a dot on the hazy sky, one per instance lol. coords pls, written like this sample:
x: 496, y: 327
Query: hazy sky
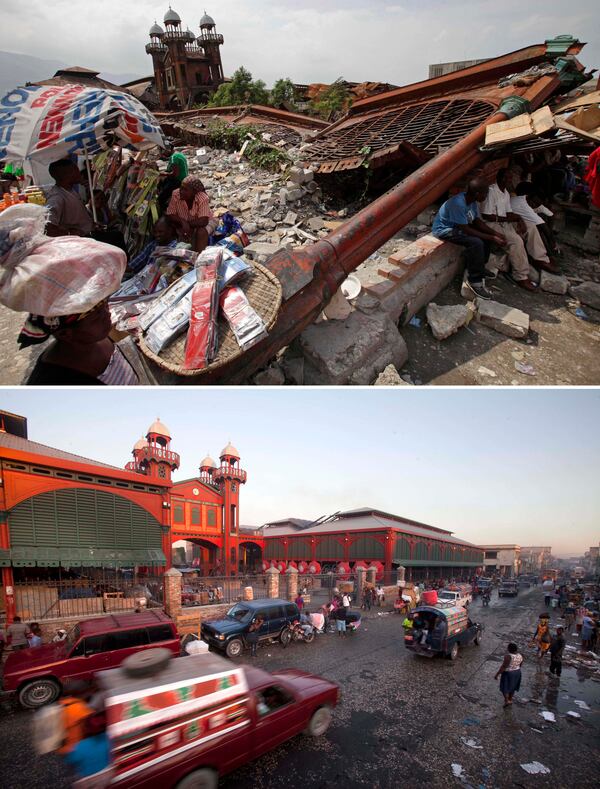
x: 306, y: 40
x: 511, y: 466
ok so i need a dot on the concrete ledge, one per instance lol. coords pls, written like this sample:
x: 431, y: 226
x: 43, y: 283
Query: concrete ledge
x: 413, y: 276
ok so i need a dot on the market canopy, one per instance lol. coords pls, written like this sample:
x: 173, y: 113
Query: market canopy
x: 41, y: 124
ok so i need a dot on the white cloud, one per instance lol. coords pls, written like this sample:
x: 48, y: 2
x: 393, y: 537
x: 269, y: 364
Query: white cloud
x: 307, y: 41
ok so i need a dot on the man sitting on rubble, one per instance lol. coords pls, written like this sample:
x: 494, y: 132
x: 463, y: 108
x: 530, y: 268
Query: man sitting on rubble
x: 497, y: 211
x: 459, y: 221
x: 522, y: 204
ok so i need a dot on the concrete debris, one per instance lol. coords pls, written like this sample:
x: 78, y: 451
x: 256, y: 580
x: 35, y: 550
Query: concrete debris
x: 290, y: 218
x: 316, y: 223
x: 444, y: 321
x: 390, y: 377
x: 504, y: 319
x: 272, y: 376
x: 353, y: 351
x: 338, y: 308
x: 259, y: 249
x: 587, y: 293
x: 486, y: 371
x: 552, y: 283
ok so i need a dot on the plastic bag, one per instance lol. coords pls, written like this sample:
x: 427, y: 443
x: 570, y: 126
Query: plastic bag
x: 202, y: 339
x: 167, y: 299
x: 21, y: 230
x: 170, y: 324
x: 245, y: 322
x: 63, y: 276
x: 231, y: 269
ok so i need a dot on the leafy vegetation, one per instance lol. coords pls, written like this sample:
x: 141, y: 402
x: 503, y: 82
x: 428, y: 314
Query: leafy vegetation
x: 258, y: 152
x: 282, y: 94
x: 241, y: 90
x: 332, y: 101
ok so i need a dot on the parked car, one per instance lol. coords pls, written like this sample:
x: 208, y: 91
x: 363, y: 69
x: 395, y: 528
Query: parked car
x: 461, y: 595
x: 228, y: 634
x: 508, y: 589
x: 202, y: 717
x: 458, y: 631
x: 37, y: 675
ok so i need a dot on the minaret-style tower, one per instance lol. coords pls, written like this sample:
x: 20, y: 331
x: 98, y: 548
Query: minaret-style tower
x: 152, y: 455
x: 207, y: 467
x: 211, y: 41
x: 229, y: 477
x: 157, y: 50
x: 175, y: 38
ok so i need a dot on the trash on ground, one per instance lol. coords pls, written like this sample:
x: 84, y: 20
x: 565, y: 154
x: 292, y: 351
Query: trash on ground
x: 572, y: 714
x: 471, y: 721
x: 535, y: 768
x: 414, y: 321
x: 486, y: 371
x: 471, y: 743
x: 526, y: 369
x: 457, y: 770
x: 582, y: 705
x: 582, y: 314
x: 548, y: 716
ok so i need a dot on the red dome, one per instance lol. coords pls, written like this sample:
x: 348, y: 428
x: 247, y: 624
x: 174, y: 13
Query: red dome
x: 343, y: 570
x: 265, y: 565
x: 302, y: 567
x: 379, y: 567
x: 314, y: 568
x: 358, y: 564
x: 280, y: 566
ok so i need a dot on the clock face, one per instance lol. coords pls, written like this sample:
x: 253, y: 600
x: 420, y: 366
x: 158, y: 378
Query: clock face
x: 196, y: 492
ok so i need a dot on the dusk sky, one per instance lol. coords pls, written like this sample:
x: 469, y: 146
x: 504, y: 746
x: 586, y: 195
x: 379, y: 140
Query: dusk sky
x: 306, y: 40
x: 511, y: 466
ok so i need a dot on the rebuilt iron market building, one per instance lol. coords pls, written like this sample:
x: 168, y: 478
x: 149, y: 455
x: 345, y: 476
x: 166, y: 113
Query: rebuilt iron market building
x: 369, y: 535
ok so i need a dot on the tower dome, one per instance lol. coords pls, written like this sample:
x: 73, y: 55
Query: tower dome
x: 208, y: 462
x: 207, y: 21
x: 230, y: 451
x: 142, y: 443
x: 158, y: 428
x: 172, y: 17
x: 156, y: 30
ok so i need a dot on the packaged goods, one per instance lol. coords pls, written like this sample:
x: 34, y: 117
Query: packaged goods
x: 245, y: 322
x: 170, y: 324
x: 167, y: 299
x: 146, y: 281
x: 231, y: 270
x: 202, y: 339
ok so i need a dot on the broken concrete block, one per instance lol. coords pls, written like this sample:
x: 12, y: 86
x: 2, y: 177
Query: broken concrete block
x: 283, y: 196
x: 296, y: 176
x: 504, y: 319
x: 420, y: 254
x: 388, y: 269
x: 552, y: 283
x: 353, y: 351
x: 588, y: 293
x: 290, y: 218
x: 390, y: 377
x: 272, y: 376
x: 446, y: 320
x: 293, y: 194
x: 312, y: 187
x: 315, y: 223
x: 257, y: 248
x: 250, y: 228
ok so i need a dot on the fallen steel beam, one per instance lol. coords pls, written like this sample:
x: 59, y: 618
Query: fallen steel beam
x: 312, y: 274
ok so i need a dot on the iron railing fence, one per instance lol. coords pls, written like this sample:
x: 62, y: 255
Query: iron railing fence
x: 98, y: 592
x: 220, y: 589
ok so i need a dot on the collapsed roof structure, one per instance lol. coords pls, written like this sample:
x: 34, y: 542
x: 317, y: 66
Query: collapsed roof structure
x: 434, y: 131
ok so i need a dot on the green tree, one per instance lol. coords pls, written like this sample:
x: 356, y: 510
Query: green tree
x: 332, y: 101
x: 242, y: 89
x: 282, y: 94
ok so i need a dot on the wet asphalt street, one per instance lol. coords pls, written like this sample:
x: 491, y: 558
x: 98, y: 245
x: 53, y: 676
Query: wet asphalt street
x: 404, y: 720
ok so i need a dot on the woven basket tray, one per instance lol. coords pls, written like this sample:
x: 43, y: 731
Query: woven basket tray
x: 263, y: 291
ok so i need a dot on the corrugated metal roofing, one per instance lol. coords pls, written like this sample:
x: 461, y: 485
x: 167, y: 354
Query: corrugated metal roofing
x: 371, y: 522
x: 8, y: 441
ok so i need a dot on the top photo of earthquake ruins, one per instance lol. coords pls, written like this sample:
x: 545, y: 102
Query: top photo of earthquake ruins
x: 198, y: 225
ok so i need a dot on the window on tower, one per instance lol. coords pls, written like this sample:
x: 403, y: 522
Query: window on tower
x: 211, y: 516
x: 178, y: 513
x: 195, y: 513
x: 162, y: 471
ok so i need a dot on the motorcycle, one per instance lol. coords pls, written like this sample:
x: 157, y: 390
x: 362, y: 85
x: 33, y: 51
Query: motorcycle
x: 299, y: 631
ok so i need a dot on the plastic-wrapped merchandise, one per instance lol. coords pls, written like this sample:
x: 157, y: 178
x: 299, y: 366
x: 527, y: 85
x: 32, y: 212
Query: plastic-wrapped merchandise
x: 170, y: 324
x: 232, y: 269
x: 21, y: 230
x: 208, y: 262
x: 245, y: 322
x: 202, y: 339
x: 61, y: 276
x: 146, y: 281
x: 167, y: 299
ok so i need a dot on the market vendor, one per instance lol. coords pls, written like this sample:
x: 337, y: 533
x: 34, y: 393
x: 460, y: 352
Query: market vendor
x: 67, y: 213
x: 177, y: 170
x: 165, y: 235
x: 189, y: 208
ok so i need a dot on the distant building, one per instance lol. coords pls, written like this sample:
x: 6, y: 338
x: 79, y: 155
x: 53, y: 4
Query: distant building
x: 439, y: 69
x: 369, y: 535
x: 77, y: 75
x: 535, y: 558
x: 502, y: 559
x: 187, y: 69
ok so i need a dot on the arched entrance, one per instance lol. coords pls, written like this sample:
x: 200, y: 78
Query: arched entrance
x: 205, y: 556
x: 250, y: 557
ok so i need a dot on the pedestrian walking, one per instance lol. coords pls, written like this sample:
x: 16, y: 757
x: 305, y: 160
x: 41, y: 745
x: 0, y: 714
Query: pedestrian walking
x: 299, y: 602
x: 557, y: 646
x: 541, y: 637
x: 587, y: 629
x: 510, y: 674
x: 366, y: 602
x: 569, y: 616
x: 579, y: 614
x: 340, y: 620
x: 380, y: 595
